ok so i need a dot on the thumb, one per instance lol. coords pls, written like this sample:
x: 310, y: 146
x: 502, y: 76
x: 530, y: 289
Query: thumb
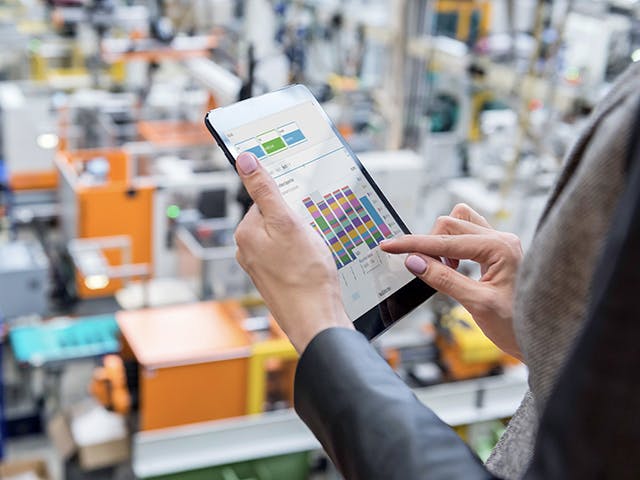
x: 444, y: 278
x: 260, y: 186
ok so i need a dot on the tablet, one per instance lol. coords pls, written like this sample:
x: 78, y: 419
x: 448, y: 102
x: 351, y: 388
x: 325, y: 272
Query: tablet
x: 324, y: 182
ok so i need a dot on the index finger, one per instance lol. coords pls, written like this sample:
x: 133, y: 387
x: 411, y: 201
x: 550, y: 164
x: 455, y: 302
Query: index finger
x: 465, y: 212
x: 468, y: 247
x: 260, y: 185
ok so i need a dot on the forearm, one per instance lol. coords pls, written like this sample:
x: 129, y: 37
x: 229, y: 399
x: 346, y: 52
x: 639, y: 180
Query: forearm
x: 368, y: 420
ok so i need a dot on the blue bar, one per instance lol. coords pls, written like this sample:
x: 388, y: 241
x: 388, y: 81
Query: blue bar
x: 294, y: 137
x: 257, y: 151
x: 372, y: 211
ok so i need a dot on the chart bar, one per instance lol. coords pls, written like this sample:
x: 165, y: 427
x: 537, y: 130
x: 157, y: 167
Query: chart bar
x: 342, y: 218
x: 376, y: 216
x: 336, y: 247
x: 335, y: 226
x: 333, y: 254
x: 355, y: 219
x: 364, y: 216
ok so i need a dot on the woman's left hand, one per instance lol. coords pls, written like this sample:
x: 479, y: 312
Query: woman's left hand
x: 289, y: 264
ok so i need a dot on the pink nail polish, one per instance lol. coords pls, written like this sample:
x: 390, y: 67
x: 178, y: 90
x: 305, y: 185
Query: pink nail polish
x: 416, y: 264
x: 247, y: 162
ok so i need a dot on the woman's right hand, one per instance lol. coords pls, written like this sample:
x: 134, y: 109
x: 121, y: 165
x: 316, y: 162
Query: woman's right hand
x: 466, y: 235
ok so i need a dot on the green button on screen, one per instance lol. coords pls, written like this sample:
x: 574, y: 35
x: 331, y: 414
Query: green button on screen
x: 273, y: 145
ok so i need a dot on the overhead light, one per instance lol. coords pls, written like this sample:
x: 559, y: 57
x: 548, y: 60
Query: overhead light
x: 96, y: 282
x: 47, y: 141
x: 635, y: 56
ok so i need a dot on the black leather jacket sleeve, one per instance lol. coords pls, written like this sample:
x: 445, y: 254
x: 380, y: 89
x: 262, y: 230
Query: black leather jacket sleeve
x: 368, y: 421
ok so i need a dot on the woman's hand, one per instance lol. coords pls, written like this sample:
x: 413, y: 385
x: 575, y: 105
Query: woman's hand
x: 287, y: 260
x: 465, y: 234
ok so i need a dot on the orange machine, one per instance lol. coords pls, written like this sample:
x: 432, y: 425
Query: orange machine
x: 117, y: 205
x: 194, y: 362
x: 198, y: 363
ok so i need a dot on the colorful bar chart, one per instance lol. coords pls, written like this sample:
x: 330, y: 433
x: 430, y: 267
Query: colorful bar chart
x: 345, y: 222
x: 342, y: 258
x: 337, y: 229
x: 333, y: 253
x: 364, y: 215
x: 356, y: 220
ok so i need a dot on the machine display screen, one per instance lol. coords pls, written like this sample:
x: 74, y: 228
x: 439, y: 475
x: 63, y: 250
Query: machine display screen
x: 324, y: 184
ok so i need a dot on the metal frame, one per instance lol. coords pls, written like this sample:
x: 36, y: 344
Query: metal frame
x: 81, y: 248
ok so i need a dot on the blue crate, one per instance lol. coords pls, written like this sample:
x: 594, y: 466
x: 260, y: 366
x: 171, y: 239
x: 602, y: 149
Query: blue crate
x: 65, y: 340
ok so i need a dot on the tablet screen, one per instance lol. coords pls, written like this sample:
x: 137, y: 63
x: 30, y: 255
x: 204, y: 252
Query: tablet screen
x: 320, y: 179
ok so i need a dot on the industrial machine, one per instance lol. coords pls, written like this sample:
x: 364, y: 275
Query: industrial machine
x: 101, y: 198
x: 465, y: 352
x: 117, y: 211
x: 24, y: 279
x: 206, y: 259
x: 28, y: 138
x: 466, y: 21
x: 220, y: 341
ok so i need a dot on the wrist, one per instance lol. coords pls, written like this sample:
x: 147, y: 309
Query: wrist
x: 307, y: 328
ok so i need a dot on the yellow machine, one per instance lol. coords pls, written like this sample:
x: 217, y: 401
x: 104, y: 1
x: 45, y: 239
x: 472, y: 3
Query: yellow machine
x: 61, y: 65
x: 465, y: 352
x: 465, y: 20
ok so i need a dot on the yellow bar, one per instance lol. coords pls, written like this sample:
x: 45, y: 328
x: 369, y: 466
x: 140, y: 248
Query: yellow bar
x: 260, y: 353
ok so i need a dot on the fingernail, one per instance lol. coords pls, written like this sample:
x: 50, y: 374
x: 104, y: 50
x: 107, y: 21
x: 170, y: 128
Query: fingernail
x: 385, y: 242
x: 247, y: 162
x: 416, y: 264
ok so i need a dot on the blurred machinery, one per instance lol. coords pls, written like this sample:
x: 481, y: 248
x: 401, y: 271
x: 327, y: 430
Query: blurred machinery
x: 206, y: 258
x: 24, y: 279
x: 112, y: 185
x: 28, y: 138
x: 400, y: 174
x: 236, y: 353
x: 464, y: 351
x: 101, y: 199
x: 109, y: 385
x: 466, y: 21
x: 596, y: 47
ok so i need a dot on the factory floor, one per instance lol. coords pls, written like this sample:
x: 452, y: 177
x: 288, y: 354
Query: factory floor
x: 72, y: 389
